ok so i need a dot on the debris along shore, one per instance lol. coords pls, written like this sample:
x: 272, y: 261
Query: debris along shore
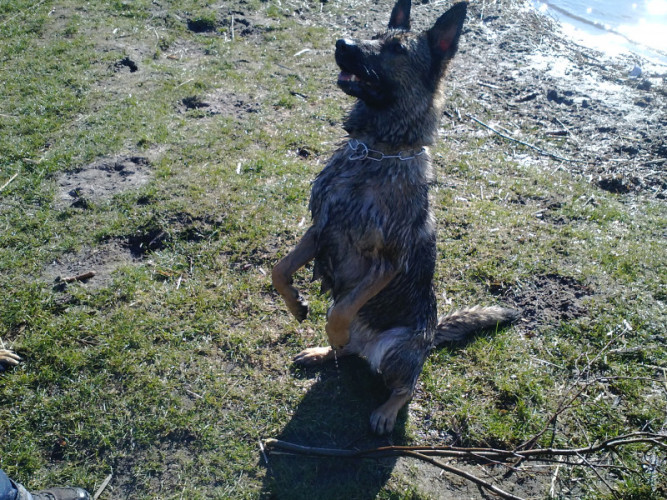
x: 555, y: 101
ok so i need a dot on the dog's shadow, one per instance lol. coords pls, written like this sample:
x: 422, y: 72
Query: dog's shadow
x: 334, y: 413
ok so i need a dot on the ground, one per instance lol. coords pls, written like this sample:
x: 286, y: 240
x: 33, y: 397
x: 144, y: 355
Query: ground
x: 168, y: 148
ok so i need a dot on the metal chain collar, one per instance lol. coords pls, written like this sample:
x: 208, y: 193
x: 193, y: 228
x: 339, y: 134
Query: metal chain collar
x: 360, y: 152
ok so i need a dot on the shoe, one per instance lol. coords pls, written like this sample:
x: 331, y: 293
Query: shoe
x: 61, y: 494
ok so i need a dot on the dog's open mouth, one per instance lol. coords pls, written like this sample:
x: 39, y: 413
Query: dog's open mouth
x: 348, y: 81
x: 356, y: 86
x: 344, y: 76
x: 358, y: 77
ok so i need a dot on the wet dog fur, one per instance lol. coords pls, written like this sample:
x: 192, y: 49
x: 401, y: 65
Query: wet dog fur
x: 372, y: 237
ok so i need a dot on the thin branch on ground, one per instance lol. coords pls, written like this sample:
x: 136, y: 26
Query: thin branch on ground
x: 9, y: 181
x: 472, y: 453
x: 523, y: 143
x: 567, y: 401
x: 486, y: 456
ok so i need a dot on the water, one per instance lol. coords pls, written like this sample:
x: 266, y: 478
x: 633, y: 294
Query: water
x: 614, y: 26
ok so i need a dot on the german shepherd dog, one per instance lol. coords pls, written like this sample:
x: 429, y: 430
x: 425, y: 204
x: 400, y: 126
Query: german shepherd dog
x: 372, y: 236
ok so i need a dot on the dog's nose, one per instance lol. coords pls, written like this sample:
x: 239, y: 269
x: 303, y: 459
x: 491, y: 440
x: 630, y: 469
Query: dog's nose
x: 344, y: 44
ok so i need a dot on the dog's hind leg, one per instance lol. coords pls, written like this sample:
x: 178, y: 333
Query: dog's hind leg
x: 282, y: 273
x: 398, y: 356
x: 383, y: 418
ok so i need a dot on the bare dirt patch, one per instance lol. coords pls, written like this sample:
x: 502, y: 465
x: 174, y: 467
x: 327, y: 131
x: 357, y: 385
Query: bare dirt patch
x: 549, y: 300
x: 436, y: 484
x: 102, y: 260
x: 100, y: 181
x: 230, y: 23
x: 221, y: 102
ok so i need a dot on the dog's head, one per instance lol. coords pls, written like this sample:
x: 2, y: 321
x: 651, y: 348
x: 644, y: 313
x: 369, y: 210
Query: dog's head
x: 392, y: 64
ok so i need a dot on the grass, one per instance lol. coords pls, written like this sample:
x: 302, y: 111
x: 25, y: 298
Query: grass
x: 169, y: 374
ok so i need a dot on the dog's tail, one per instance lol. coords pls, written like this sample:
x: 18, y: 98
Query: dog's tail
x: 459, y: 325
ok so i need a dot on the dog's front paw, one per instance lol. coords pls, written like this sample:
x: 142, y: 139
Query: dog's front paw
x: 313, y: 356
x: 299, y: 308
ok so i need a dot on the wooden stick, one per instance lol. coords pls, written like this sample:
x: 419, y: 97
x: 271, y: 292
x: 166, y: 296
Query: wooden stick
x: 79, y: 277
x: 487, y: 455
x: 653, y: 439
x: 105, y: 483
x: 461, y: 473
x: 387, y: 451
x: 9, y: 181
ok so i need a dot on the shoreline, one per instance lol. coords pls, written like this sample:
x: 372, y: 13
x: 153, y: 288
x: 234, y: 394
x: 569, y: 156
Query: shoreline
x: 522, y: 70
x: 608, y: 40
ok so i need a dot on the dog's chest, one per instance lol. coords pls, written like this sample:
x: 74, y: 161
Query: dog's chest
x: 363, y: 198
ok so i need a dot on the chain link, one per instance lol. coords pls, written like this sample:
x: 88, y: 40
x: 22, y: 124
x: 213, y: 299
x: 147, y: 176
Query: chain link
x: 360, y: 152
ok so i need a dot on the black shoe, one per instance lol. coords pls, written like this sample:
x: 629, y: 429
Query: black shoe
x: 61, y: 494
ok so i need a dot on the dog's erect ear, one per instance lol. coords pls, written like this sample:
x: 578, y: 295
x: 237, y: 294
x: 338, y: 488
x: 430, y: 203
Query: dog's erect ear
x: 400, y: 16
x: 444, y: 35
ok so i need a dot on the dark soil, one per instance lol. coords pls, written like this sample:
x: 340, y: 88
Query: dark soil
x: 103, y: 260
x: 549, y: 300
x: 221, y: 102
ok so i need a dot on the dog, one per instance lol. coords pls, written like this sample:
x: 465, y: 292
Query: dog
x: 372, y: 237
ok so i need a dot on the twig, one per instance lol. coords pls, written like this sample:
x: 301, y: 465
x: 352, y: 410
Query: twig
x: 567, y: 129
x: 79, y: 277
x: 9, y: 181
x: 263, y: 451
x: 476, y: 454
x: 489, y: 85
x: 416, y: 452
x: 599, y: 476
x: 193, y: 394
x: 523, y: 143
x: 301, y: 52
x: 527, y: 97
x: 554, y: 478
x: 102, y: 487
x: 484, y: 455
x: 562, y: 405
